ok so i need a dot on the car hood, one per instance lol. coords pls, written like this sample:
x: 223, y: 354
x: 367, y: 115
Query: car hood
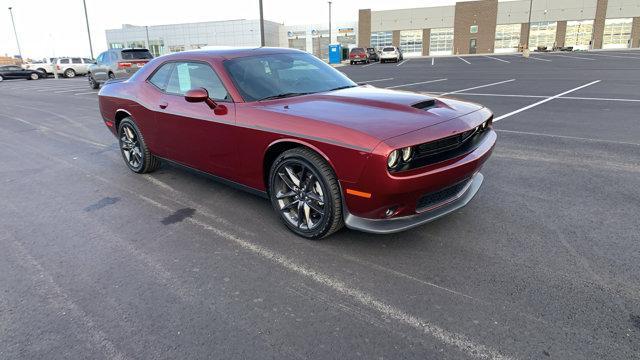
x: 380, y: 113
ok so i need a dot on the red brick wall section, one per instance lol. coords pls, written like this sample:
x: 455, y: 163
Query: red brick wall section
x: 482, y: 13
x: 561, y: 33
x: 635, y: 32
x: 426, y: 40
x: 598, y: 23
x: 364, y: 28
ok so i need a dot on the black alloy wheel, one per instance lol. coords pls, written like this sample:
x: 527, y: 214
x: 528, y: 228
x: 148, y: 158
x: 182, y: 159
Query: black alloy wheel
x: 305, y: 192
x: 134, y: 150
x: 93, y: 83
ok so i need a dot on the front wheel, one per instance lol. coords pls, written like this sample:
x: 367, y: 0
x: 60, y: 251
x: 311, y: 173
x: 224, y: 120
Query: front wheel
x: 93, y: 83
x: 305, y: 192
x: 1, y: 78
x: 34, y: 76
x: 133, y: 148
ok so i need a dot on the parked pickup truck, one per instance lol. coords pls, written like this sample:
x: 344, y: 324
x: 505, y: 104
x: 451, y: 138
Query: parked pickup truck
x: 45, y: 65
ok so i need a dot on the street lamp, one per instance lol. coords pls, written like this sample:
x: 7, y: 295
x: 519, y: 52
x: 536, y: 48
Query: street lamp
x: 329, y: 22
x: 261, y: 25
x: 86, y: 17
x: 16, y: 33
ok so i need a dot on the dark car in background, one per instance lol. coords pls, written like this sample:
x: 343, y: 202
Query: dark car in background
x: 357, y: 55
x: 117, y: 64
x: 16, y: 72
x: 373, y: 54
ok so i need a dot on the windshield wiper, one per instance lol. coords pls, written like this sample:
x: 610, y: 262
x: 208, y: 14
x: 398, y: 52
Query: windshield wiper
x: 342, y: 87
x: 284, y: 95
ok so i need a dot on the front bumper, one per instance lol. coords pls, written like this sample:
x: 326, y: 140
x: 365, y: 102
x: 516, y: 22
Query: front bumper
x: 392, y: 225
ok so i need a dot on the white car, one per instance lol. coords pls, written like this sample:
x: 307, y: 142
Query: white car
x: 71, y: 66
x: 390, y: 53
x: 46, y: 65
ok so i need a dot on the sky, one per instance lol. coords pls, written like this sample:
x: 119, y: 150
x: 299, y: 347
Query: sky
x: 57, y: 28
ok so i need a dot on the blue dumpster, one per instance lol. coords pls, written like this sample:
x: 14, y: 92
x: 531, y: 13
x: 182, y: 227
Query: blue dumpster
x: 335, y: 54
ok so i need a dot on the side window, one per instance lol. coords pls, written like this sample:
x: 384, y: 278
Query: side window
x: 64, y: 61
x: 190, y: 75
x: 100, y: 58
x: 161, y: 76
x: 76, y: 61
x: 113, y: 57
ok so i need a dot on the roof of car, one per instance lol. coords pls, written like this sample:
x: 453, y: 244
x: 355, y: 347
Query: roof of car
x: 231, y: 52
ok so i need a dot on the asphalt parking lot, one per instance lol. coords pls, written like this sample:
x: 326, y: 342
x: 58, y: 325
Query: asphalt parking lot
x: 98, y: 262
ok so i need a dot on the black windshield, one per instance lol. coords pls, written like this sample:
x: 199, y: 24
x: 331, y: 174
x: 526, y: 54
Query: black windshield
x: 283, y: 75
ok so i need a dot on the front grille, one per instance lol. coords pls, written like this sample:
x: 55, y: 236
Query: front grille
x: 434, y: 147
x: 435, y: 198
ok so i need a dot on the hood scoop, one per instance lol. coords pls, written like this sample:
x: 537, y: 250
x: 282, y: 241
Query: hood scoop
x: 425, y: 105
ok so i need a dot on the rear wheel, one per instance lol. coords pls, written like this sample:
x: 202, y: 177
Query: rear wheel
x: 1, y: 78
x: 134, y: 151
x: 69, y: 73
x: 305, y: 192
x: 44, y: 72
x: 111, y: 76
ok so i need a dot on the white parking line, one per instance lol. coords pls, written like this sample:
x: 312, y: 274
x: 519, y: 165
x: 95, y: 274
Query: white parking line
x: 616, y: 56
x: 433, y: 61
x: 416, y: 83
x: 537, y: 58
x: 478, y: 87
x: 368, y: 64
x: 402, y: 62
x: 370, y: 81
x: 559, y: 98
x: 495, y: 58
x: 66, y: 91
x: 575, y: 57
x: 86, y: 93
x: 544, y: 101
x: 567, y: 137
x: 463, y: 60
x: 58, y: 88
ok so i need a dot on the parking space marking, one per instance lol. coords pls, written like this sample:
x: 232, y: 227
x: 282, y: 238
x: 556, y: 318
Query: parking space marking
x: 568, y: 137
x: 464, y: 60
x: 58, y: 88
x: 544, y: 96
x: 86, y: 93
x: 364, y: 66
x: 402, y: 62
x: 617, y: 56
x: 433, y: 61
x: 575, y: 57
x: 478, y: 87
x: 370, y: 81
x: 537, y: 58
x: 544, y: 101
x: 66, y: 91
x: 495, y: 58
x: 416, y: 83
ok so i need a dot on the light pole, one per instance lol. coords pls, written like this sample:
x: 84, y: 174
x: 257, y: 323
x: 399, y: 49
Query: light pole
x: 329, y: 22
x: 16, y: 33
x: 261, y: 25
x: 86, y: 17
x: 525, y: 51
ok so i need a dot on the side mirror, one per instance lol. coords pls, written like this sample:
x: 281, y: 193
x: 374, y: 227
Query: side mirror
x: 202, y: 95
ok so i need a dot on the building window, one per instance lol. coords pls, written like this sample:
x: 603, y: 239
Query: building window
x: 507, y: 38
x: 411, y: 42
x: 136, y: 45
x: 579, y: 34
x: 617, y: 33
x: 381, y: 38
x: 441, y: 41
x: 542, y: 34
x: 176, y: 48
x: 116, y: 45
x: 156, y: 47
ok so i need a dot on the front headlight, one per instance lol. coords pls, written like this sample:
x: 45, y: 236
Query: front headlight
x: 406, y: 153
x: 394, y: 159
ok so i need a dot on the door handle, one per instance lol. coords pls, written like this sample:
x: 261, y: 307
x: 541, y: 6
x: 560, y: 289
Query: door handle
x: 163, y: 105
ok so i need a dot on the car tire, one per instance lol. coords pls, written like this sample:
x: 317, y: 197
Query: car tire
x: 135, y: 153
x: 69, y: 73
x: 351, y: 62
x: 34, y: 76
x: 111, y: 76
x: 93, y: 83
x: 43, y: 71
x: 1, y: 78
x: 305, y: 192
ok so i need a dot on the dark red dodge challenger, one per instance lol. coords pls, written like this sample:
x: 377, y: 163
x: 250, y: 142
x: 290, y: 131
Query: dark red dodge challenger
x: 281, y: 123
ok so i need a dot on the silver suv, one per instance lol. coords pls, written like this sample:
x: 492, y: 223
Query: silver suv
x: 117, y: 64
x: 71, y: 66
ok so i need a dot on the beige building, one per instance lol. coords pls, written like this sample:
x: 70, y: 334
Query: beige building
x: 490, y: 26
